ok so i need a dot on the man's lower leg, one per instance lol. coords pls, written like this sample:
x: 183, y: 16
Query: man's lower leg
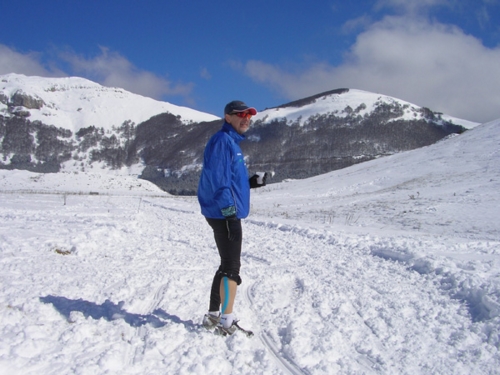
x: 228, y: 293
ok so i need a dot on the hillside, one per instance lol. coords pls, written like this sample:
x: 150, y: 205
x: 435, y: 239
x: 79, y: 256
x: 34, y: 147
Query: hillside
x: 385, y: 267
x: 343, y: 102
x: 74, y: 125
x: 73, y: 103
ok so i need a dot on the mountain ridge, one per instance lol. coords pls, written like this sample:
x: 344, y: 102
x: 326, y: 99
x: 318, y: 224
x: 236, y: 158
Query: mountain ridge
x: 46, y: 125
x: 74, y: 103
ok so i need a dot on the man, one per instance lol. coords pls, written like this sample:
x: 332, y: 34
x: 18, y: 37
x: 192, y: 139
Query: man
x: 224, y: 197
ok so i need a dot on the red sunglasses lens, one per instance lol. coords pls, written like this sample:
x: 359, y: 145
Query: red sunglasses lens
x: 243, y: 114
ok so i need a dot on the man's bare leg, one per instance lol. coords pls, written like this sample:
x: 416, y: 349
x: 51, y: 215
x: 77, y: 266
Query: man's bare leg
x: 228, y: 289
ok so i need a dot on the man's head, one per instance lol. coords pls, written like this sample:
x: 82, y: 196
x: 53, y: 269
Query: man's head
x: 238, y: 114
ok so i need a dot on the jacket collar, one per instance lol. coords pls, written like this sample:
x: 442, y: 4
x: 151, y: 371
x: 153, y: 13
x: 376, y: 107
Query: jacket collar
x: 228, y: 128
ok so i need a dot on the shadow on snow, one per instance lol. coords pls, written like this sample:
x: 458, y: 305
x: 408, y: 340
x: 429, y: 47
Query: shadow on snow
x: 111, y: 311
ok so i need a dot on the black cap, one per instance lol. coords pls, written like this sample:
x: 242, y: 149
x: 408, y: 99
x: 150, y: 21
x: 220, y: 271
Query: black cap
x: 238, y: 106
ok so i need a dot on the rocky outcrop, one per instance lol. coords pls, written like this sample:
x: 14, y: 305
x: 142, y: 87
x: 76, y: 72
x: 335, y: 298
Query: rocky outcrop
x: 4, y: 99
x: 21, y: 99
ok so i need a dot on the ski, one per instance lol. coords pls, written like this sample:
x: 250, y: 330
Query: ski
x: 221, y: 332
x: 247, y: 332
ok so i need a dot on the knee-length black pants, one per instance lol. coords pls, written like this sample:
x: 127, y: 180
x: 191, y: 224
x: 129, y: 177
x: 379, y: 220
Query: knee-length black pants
x: 230, y: 259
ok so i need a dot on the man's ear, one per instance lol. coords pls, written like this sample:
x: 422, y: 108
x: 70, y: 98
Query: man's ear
x: 227, y: 118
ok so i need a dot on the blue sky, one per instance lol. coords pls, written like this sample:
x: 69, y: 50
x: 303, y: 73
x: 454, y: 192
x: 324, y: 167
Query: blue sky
x: 442, y: 54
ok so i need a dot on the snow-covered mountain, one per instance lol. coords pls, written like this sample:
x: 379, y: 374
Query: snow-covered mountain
x: 73, y: 103
x: 73, y: 125
x: 361, y: 102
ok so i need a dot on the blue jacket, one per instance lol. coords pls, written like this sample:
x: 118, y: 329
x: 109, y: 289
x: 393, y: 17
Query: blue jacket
x: 224, y: 179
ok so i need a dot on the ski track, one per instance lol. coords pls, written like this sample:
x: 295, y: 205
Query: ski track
x: 130, y: 293
x: 287, y: 365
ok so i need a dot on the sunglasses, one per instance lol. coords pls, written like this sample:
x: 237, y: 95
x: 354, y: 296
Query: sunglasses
x: 243, y: 114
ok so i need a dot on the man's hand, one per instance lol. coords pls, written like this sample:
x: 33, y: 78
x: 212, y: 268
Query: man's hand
x: 258, y: 180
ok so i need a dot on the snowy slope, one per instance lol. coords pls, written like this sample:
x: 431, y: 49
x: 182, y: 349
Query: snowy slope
x: 387, y: 267
x: 460, y: 172
x: 336, y: 103
x: 72, y: 103
x: 102, y: 182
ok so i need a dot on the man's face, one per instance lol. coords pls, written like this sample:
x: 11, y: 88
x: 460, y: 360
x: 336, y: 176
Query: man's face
x: 240, y: 121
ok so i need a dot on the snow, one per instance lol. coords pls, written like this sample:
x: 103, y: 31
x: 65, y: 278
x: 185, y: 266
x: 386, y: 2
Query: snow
x: 74, y: 103
x: 336, y: 104
x: 387, y: 267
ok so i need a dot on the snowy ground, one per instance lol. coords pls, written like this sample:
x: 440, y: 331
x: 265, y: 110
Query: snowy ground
x: 387, y: 267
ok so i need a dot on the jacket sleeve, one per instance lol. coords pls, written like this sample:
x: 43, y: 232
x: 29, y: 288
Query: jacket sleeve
x: 221, y: 173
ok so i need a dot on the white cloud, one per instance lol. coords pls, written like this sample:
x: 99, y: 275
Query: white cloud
x: 108, y: 68
x: 30, y: 63
x: 205, y: 74
x: 412, y: 7
x: 429, y: 64
x: 112, y: 69
x: 359, y: 23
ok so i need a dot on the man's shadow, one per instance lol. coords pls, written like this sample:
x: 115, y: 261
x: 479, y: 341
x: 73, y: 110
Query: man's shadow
x: 110, y: 311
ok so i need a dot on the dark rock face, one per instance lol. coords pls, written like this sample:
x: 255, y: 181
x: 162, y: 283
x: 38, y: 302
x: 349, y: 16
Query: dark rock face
x: 4, y: 99
x: 20, y: 99
x: 322, y: 144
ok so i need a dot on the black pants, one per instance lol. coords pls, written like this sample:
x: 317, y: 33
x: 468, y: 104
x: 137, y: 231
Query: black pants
x: 230, y: 254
